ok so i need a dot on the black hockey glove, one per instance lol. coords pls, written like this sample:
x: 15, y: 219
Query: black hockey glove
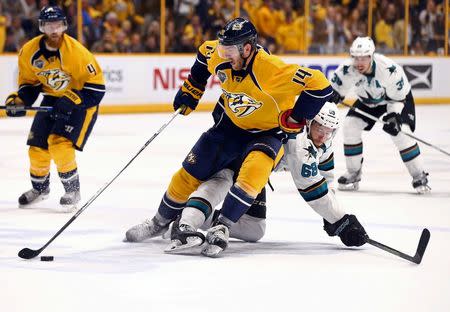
x: 336, y: 97
x: 65, y: 105
x: 14, y: 106
x: 188, y: 96
x: 393, y: 123
x: 349, y: 230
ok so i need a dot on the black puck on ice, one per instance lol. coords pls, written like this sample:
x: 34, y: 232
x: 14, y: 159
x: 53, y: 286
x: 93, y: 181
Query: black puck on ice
x: 46, y: 258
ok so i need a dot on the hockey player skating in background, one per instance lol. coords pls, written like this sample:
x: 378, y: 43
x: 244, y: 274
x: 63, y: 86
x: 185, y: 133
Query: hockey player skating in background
x: 258, y: 99
x: 382, y: 89
x: 72, y: 83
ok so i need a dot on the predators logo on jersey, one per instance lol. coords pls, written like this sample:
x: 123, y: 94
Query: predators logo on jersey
x: 241, y: 104
x: 57, y: 79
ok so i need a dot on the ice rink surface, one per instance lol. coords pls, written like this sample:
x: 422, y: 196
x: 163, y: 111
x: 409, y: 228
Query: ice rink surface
x: 295, y: 267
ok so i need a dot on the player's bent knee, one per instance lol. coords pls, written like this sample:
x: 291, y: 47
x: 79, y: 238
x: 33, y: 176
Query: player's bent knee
x: 249, y: 229
x: 254, y: 172
x: 182, y: 185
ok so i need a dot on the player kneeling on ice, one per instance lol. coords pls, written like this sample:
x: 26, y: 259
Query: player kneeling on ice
x: 309, y: 158
x: 382, y: 88
x: 68, y: 76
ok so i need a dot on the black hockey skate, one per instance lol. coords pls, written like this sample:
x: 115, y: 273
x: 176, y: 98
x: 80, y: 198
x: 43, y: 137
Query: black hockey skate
x: 184, y: 239
x: 420, y: 183
x: 349, y: 181
x: 148, y: 229
x: 33, y: 196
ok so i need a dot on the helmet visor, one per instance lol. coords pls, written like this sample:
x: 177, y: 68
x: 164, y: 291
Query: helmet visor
x: 53, y: 27
x: 321, y: 133
x: 228, y: 51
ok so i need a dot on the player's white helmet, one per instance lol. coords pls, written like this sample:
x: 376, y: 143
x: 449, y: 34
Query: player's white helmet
x: 362, y: 46
x: 328, y: 116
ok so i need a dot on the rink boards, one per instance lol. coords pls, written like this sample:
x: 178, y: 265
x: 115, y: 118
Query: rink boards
x: 148, y: 82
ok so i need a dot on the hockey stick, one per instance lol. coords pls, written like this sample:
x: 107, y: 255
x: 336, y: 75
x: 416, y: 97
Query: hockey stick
x: 405, y: 133
x: 19, y: 108
x: 417, y: 258
x: 27, y: 253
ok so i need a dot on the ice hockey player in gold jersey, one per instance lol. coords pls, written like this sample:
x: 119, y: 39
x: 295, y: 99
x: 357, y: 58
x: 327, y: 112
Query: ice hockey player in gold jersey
x: 262, y: 99
x: 71, y: 82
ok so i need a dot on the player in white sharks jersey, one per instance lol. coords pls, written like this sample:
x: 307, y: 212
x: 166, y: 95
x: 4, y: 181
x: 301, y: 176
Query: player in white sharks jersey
x: 382, y: 89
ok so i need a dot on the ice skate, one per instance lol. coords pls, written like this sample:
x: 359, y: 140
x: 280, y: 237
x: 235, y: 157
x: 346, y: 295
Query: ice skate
x: 68, y: 202
x: 148, y: 229
x: 184, y: 239
x: 420, y: 183
x: 33, y: 196
x: 349, y: 181
x: 217, y: 240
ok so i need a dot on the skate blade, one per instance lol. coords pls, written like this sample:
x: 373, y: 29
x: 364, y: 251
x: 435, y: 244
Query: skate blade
x: 423, y: 190
x: 36, y: 201
x: 66, y: 208
x: 349, y: 187
x: 212, y: 251
x: 191, y: 247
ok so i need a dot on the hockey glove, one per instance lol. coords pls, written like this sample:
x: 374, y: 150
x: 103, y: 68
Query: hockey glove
x: 336, y: 97
x: 289, y: 124
x: 188, y: 96
x: 393, y: 123
x: 349, y: 230
x: 65, y: 105
x: 15, y: 106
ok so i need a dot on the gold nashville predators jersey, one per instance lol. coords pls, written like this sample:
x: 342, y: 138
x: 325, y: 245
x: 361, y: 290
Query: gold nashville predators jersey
x: 70, y: 67
x: 254, y: 97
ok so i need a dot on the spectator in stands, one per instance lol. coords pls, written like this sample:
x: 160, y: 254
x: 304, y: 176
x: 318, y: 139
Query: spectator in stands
x: 136, y: 45
x: 428, y: 19
x: 384, y: 31
x: 289, y: 36
x: 151, y: 44
x: 106, y: 45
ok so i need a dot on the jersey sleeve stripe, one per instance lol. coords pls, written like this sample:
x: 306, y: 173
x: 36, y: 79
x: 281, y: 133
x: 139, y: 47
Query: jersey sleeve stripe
x: 315, y: 191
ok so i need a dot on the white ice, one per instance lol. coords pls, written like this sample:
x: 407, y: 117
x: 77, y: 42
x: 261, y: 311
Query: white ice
x: 295, y: 267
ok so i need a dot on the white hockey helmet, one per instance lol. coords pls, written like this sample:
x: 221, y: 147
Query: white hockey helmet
x: 328, y: 116
x: 362, y: 46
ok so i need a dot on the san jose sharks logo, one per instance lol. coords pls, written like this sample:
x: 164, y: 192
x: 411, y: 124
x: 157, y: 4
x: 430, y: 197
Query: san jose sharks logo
x: 56, y: 78
x: 241, y: 104
x: 312, y: 152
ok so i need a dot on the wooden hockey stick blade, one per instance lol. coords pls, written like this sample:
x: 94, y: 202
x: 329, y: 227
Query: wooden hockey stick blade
x: 423, y: 242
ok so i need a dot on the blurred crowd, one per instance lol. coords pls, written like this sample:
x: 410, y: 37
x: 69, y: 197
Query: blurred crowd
x: 134, y: 26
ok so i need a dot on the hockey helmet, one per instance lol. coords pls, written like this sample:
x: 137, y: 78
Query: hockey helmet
x: 235, y: 34
x: 327, y: 120
x: 48, y: 18
x: 362, y: 46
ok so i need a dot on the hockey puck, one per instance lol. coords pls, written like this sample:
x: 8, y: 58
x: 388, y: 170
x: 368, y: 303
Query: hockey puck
x: 46, y: 258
